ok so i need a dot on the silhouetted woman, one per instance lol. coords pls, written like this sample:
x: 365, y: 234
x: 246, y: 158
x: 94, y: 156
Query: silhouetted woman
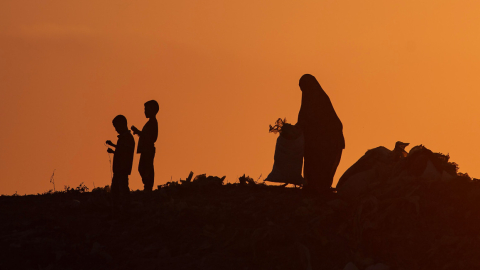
x: 323, y: 132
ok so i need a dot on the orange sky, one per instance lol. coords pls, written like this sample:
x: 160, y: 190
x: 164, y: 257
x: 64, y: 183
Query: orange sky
x: 222, y: 71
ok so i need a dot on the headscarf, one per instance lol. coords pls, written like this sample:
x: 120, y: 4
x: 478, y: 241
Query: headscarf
x: 317, y: 116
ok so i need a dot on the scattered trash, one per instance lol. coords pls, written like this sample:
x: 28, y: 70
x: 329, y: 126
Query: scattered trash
x: 246, y: 180
x: 416, y: 212
x: 350, y: 266
x: 189, y: 178
x: 203, y: 180
x: 378, y: 266
x: 382, y: 167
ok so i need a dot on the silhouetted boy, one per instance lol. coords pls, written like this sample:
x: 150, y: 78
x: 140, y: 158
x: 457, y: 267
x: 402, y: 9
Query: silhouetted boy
x: 122, y: 159
x: 146, y: 144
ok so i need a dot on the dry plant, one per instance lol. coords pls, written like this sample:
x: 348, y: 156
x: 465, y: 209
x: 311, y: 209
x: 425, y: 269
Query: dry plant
x: 52, y: 180
x: 277, y: 127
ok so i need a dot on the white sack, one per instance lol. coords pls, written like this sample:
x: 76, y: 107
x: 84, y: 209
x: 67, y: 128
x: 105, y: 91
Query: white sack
x: 287, y: 167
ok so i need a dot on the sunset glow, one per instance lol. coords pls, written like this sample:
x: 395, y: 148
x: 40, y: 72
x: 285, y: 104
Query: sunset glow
x: 222, y: 71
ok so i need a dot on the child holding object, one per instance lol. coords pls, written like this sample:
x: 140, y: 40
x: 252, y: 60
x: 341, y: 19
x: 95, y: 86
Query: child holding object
x: 146, y: 144
x: 122, y: 159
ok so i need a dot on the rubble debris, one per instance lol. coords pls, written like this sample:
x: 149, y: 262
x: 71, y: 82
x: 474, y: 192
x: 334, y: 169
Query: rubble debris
x: 410, y: 217
x: 199, y: 180
x: 381, y: 166
x: 188, y: 179
x: 350, y: 266
x: 203, y: 180
x: 243, y: 180
x: 378, y: 266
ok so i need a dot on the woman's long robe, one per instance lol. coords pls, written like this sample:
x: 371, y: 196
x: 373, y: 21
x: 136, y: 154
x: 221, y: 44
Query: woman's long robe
x: 323, y: 132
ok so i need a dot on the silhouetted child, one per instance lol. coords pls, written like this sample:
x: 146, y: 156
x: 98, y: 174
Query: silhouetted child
x: 122, y: 160
x: 146, y: 144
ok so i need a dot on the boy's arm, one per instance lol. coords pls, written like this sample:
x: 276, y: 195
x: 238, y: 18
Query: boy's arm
x: 111, y: 143
x: 136, y: 131
x: 149, y: 131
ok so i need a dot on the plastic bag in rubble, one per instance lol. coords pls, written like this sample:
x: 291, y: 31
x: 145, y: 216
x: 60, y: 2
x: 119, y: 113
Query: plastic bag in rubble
x: 380, y: 165
x: 370, y: 169
x: 287, y: 167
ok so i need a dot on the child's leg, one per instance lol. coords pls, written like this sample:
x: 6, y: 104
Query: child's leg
x: 146, y: 169
x: 115, y: 189
x: 125, y: 190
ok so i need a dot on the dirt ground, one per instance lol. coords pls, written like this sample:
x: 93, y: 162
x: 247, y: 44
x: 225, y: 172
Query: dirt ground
x: 418, y: 225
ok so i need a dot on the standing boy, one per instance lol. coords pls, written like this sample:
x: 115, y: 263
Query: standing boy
x: 146, y: 144
x: 122, y: 159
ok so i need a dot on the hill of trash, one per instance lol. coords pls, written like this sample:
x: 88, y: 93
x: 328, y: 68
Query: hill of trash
x: 393, y: 210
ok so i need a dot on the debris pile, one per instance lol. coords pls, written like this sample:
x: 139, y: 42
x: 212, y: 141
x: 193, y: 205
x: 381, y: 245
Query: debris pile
x: 413, y: 210
x: 381, y: 170
x: 417, y: 212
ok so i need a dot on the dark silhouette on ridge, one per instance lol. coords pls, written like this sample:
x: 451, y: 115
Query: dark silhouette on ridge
x: 122, y: 159
x: 146, y: 144
x: 379, y: 157
x: 323, y: 132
